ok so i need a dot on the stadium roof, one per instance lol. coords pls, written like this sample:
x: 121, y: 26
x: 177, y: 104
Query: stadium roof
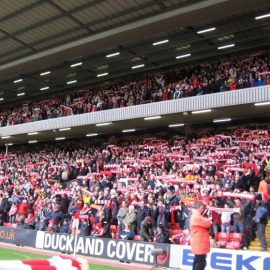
x: 40, y: 40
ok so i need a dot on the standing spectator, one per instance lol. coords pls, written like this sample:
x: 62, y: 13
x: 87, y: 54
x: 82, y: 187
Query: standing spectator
x: 23, y: 209
x: 121, y: 215
x: 226, y: 218
x: 239, y: 220
x: 85, y: 229
x: 5, y: 206
x: 12, y: 213
x: 142, y: 212
x: 199, y: 236
x: 261, y: 221
x: 264, y: 188
x: 130, y: 218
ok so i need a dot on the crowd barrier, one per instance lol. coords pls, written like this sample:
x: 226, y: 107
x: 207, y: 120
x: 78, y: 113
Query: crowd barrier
x: 172, y: 256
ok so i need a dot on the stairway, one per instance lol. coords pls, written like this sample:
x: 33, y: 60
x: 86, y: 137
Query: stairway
x: 256, y: 245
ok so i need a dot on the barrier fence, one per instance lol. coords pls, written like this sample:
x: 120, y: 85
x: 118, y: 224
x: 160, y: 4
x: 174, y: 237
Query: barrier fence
x: 173, y: 256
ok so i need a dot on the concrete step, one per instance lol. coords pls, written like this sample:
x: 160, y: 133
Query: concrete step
x: 255, y: 244
x: 258, y: 240
x: 257, y: 248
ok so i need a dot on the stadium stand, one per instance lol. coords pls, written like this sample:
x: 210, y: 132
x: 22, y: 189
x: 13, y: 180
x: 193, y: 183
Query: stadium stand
x: 142, y: 187
x: 45, y: 188
x: 226, y: 75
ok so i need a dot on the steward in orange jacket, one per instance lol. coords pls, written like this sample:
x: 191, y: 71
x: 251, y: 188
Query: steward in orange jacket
x: 199, y: 236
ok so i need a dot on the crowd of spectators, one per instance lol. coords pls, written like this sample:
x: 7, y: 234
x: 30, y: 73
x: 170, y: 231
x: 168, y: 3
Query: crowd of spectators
x: 137, y: 188
x: 225, y: 75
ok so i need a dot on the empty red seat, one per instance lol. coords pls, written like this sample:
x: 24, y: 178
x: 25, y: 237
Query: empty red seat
x: 235, y: 241
x: 222, y: 239
x: 137, y: 238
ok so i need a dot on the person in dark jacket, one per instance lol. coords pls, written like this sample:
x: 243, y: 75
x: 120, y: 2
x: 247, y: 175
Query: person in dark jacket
x: 147, y: 229
x: 261, y: 220
x: 57, y: 214
x: 173, y: 200
x: 142, y: 212
x: 65, y: 227
x: 162, y: 214
x: 161, y: 236
x: 114, y: 206
x: 85, y: 229
x: 239, y: 219
x: 5, y: 206
x: 64, y: 203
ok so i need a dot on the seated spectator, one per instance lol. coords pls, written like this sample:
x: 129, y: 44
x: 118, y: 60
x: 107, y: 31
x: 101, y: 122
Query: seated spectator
x: 65, y: 227
x: 102, y: 228
x: 161, y: 236
x: 127, y: 233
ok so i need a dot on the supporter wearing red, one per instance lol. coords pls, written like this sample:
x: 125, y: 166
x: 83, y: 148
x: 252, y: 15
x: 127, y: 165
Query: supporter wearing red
x: 264, y: 187
x: 23, y: 207
x: 199, y: 236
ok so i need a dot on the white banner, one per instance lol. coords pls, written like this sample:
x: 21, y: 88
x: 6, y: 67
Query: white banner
x: 181, y: 257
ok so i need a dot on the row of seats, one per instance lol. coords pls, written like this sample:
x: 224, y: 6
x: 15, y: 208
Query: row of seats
x: 229, y: 240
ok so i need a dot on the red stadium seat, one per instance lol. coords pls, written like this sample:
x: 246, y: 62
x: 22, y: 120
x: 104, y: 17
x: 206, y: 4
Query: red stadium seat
x: 114, y: 231
x: 222, y: 239
x: 175, y: 232
x: 174, y: 226
x: 137, y: 238
x: 235, y: 241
